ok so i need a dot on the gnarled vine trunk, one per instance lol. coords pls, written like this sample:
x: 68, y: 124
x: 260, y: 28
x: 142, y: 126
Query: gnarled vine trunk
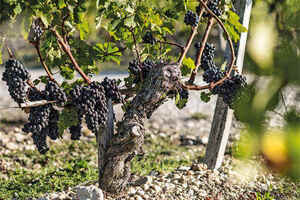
x: 116, y: 151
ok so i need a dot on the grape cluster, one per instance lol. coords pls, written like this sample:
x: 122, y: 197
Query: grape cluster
x: 213, y: 6
x: 54, y: 93
x: 148, y: 38
x: 36, y: 32
x: 191, y: 18
x: 75, y: 130
x: 90, y: 101
x: 42, y: 121
x: 229, y: 88
x: 213, y: 74
x: 15, y: 76
x: 52, y: 128
x: 143, y: 69
x: 38, y: 121
x: 111, y: 90
x: 207, y: 59
x: 184, y: 94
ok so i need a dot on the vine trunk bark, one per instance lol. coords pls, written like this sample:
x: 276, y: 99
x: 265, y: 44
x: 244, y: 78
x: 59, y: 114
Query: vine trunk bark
x: 117, y: 150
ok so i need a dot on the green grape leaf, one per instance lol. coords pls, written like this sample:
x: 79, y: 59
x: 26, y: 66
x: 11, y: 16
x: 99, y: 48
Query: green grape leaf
x: 129, y: 22
x: 67, y: 72
x: 17, y: 9
x: 67, y: 118
x: 83, y: 29
x: 44, y: 79
x: 205, y: 97
x: 36, y: 81
x: 61, y: 4
x: 187, y: 67
x: 180, y: 102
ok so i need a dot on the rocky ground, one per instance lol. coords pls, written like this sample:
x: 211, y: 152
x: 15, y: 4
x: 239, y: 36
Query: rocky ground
x: 184, y: 135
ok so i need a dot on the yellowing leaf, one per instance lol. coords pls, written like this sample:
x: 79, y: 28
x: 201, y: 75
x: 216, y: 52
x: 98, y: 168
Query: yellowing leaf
x: 189, y: 63
x: 61, y: 4
x: 274, y: 147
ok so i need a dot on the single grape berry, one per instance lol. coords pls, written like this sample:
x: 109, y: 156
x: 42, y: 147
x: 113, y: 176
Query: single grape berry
x: 148, y: 38
x: 191, y: 18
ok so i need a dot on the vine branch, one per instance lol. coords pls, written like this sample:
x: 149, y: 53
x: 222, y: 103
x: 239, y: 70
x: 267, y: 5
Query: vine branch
x: 135, y: 45
x: 172, y: 43
x: 10, y: 53
x: 227, y: 75
x: 37, y: 47
x: 228, y: 40
x: 67, y: 50
x: 137, y: 53
x: 191, y: 37
x: 200, y: 52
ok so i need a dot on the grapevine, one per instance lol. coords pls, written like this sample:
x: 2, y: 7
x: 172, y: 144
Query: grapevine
x: 154, y: 74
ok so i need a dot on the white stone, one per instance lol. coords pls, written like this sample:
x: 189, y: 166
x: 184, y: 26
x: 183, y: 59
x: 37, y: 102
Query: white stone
x: 89, y: 193
x: 169, y: 186
x: 204, y: 140
x: 141, y: 192
x: 184, y: 168
x: 156, y: 188
x: 17, y: 130
x: 163, y: 135
x: 19, y: 137
x: 137, y: 197
x: 12, y: 146
x: 131, y: 191
x: 146, y: 187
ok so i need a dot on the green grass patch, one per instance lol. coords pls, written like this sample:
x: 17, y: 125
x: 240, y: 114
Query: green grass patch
x: 27, y: 183
x: 198, y: 116
x: 161, y: 156
x: 31, y: 174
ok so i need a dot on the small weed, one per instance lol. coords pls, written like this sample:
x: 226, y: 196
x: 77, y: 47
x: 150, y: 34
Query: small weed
x: 198, y: 116
x: 265, y: 196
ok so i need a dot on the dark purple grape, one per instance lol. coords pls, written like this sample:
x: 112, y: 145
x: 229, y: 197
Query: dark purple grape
x: 111, y: 90
x: 15, y: 75
x: 191, y: 18
x: 148, y: 38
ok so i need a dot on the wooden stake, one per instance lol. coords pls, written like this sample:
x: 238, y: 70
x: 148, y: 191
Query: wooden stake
x: 222, y: 119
